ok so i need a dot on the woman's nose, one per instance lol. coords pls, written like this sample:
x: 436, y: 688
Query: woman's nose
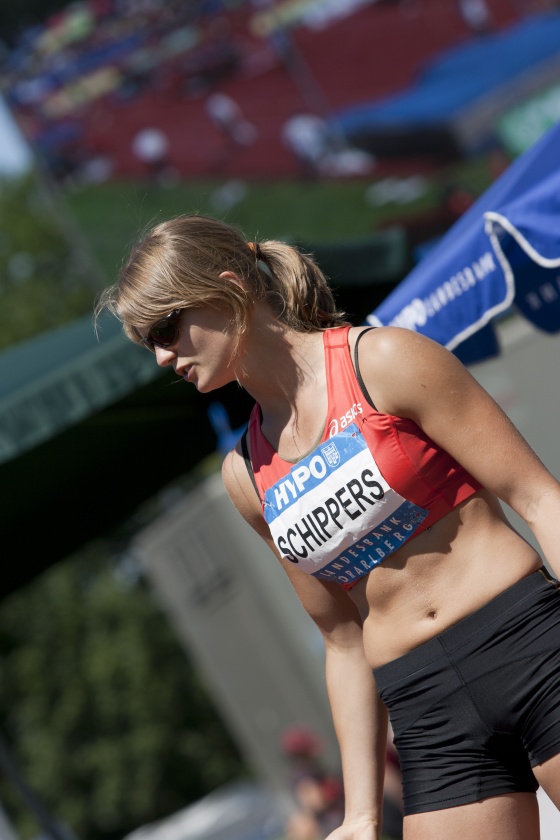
x: 164, y: 355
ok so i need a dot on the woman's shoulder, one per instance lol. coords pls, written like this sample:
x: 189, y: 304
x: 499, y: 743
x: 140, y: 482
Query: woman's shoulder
x: 402, y: 367
x: 234, y: 472
x: 391, y: 340
x: 240, y: 488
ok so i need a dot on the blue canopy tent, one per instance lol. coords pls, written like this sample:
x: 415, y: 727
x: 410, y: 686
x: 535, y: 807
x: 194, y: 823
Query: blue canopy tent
x: 452, y: 107
x: 504, y: 252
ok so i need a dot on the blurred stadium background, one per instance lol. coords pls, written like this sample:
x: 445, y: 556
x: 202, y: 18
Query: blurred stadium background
x: 84, y: 82
x: 361, y: 129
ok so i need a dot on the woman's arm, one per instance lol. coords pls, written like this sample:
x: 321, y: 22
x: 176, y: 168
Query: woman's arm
x: 359, y: 717
x: 360, y: 721
x: 411, y: 376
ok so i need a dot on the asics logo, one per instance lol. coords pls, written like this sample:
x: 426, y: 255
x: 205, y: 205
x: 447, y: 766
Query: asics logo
x: 336, y: 425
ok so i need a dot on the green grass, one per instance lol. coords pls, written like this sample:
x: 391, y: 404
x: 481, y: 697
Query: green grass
x: 112, y: 215
x: 59, y: 248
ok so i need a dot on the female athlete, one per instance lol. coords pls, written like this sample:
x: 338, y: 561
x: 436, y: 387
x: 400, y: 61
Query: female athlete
x: 373, y: 467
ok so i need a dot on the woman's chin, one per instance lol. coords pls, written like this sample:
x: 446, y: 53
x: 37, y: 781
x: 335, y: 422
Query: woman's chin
x: 205, y: 386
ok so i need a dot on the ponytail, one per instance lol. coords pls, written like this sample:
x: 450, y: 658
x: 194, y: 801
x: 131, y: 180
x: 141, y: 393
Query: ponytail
x: 295, y: 288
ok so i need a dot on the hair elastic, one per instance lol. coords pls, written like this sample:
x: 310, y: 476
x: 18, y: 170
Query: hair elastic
x: 261, y: 264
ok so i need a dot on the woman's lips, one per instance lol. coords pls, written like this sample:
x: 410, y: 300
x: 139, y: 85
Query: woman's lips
x: 185, y: 372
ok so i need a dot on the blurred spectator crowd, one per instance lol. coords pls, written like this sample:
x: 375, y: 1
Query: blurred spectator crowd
x: 113, y: 50
x: 168, y: 89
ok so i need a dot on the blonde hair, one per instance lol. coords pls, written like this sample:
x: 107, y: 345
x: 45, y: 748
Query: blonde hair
x: 178, y: 263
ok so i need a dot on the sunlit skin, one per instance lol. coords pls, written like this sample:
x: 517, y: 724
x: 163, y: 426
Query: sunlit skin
x: 205, y: 352
x: 472, y: 553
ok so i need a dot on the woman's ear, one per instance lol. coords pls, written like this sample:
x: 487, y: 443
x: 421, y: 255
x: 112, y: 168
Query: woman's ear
x: 233, y: 278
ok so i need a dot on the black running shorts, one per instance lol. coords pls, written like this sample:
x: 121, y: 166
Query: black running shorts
x: 475, y: 708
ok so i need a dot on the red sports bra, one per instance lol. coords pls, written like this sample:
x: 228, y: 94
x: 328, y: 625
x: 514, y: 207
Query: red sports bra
x: 373, y: 482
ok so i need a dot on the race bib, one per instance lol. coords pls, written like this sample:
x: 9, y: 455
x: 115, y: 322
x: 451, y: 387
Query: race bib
x: 335, y: 515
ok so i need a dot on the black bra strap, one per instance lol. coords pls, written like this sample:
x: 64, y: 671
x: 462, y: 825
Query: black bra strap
x: 247, y: 459
x: 357, y: 369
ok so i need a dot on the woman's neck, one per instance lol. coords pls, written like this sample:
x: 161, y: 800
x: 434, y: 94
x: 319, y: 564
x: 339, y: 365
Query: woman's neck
x: 284, y: 371
x: 280, y: 365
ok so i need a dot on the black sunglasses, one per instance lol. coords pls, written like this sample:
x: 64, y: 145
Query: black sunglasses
x: 164, y: 332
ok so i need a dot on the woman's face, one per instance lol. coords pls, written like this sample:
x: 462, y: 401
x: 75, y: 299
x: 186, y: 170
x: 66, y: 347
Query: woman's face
x: 205, y: 350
